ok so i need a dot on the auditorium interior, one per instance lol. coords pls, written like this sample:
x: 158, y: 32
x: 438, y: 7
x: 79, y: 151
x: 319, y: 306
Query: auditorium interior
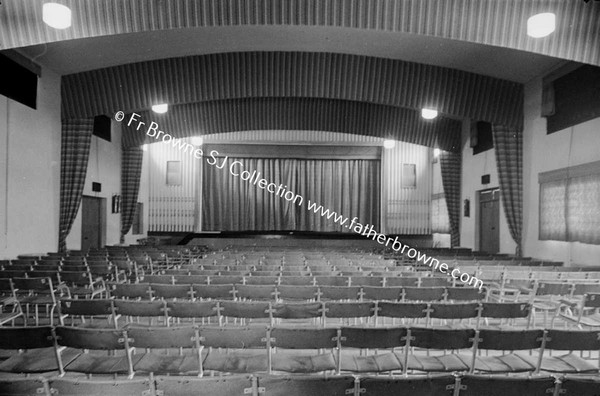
x: 300, y: 197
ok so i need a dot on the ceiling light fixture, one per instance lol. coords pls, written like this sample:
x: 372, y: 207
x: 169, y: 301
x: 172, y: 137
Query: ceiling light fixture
x: 160, y: 108
x: 56, y: 15
x: 197, y: 140
x: 541, y: 25
x: 429, y: 114
x: 389, y: 144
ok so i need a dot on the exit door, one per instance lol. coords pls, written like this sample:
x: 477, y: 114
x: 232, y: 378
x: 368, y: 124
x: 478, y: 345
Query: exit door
x: 93, y: 222
x: 489, y: 221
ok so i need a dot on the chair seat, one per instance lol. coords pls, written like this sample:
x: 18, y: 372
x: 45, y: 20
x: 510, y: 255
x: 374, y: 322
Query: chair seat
x: 296, y: 363
x: 442, y: 363
x: 592, y: 320
x: 370, y: 364
x: 100, y: 364
x: 173, y: 364
x: 509, y: 363
x: 568, y: 363
x: 235, y: 362
x: 8, y: 316
x: 37, y: 360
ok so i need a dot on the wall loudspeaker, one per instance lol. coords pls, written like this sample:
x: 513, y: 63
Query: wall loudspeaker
x: 96, y: 187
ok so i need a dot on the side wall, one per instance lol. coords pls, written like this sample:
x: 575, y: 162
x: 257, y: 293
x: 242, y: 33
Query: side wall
x: 577, y: 145
x: 30, y: 171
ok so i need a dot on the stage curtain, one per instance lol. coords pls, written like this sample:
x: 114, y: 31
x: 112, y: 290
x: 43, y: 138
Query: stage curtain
x: 131, y: 172
x: 508, y: 145
x: 450, y: 165
x: 74, y: 154
x: 349, y: 187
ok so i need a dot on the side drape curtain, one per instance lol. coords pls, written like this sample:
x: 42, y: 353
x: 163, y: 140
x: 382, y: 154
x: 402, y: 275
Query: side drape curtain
x: 74, y: 153
x: 508, y: 144
x: 348, y: 187
x: 131, y: 172
x: 450, y: 164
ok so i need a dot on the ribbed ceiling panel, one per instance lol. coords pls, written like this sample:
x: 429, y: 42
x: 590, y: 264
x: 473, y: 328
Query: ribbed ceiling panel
x: 492, y: 22
x: 292, y: 74
x: 298, y: 114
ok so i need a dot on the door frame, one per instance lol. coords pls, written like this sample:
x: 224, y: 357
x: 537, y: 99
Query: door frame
x: 478, y: 215
x: 101, y: 219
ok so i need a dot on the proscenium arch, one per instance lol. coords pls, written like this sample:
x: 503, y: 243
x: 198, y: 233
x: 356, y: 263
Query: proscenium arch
x: 491, y: 22
x: 294, y: 114
x: 243, y: 75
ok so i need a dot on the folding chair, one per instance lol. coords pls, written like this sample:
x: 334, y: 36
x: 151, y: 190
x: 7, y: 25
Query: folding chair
x: 83, y: 284
x: 293, y: 311
x: 85, y: 313
x: 435, y: 281
x: 359, y: 311
x: 297, y: 280
x: 586, y: 313
x: 327, y: 281
x: 209, y: 292
x: 401, y: 281
x: 570, y: 340
x: 186, y: 339
x: 388, y: 293
x: 246, y: 311
x: 489, y: 385
x: 507, y: 340
x: 10, y: 308
x: 423, y: 293
x: 261, y: 280
x: 578, y: 386
x: 36, y: 292
x: 179, y: 311
x: 464, y: 294
x: 453, y: 314
x: 430, y: 385
x: 309, y: 293
x: 109, y: 340
x: 509, y: 311
x: 24, y: 386
x: 440, y: 340
x: 301, y: 385
x: 256, y: 292
x: 171, y: 292
x: 225, y: 280
x: 129, y: 290
x: 366, y: 281
x: 401, y: 311
x: 235, y: 349
x: 340, y: 293
x: 365, y: 339
x: 100, y: 387
x: 140, y: 312
x: 35, y: 346
x: 221, y: 386
x: 301, y: 339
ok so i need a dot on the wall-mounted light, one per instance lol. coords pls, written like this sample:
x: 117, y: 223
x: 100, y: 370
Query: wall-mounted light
x: 389, y: 144
x: 436, y: 152
x: 160, y: 108
x: 429, y: 114
x: 145, y: 147
x: 56, y: 15
x: 541, y: 25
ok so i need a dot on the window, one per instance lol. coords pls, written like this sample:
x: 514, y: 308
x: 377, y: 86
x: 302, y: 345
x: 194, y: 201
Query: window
x: 409, y: 175
x: 570, y: 204
x: 440, y: 222
x: 137, y: 227
x: 173, y: 173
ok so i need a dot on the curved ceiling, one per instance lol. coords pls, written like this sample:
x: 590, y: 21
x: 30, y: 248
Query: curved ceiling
x: 493, y: 22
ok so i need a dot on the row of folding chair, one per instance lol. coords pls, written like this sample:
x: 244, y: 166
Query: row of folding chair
x: 276, y: 278
x: 122, y: 313
x: 293, y: 292
x: 260, y: 349
x: 301, y: 385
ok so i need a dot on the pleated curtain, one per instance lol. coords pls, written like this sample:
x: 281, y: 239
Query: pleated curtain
x: 348, y: 187
x: 75, y: 149
x: 508, y: 145
x: 131, y: 172
x: 450, y: 164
